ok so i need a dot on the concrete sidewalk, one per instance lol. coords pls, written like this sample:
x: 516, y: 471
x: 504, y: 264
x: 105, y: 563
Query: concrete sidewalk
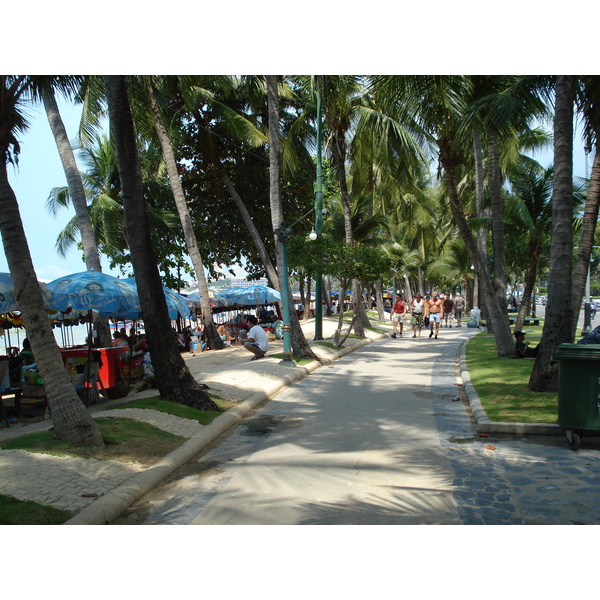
x: 100, y: 490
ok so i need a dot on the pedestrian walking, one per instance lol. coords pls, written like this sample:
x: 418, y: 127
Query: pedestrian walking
x: 418, y: 312
x: 459, y: 306
x: 448, y: 309
x: 436, y: 312
x: 397, y: 316
x: 426, y: 313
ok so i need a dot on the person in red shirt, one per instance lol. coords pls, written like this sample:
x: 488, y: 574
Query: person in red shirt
x: 397, y: 316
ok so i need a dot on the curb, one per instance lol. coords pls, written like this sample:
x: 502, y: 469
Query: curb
x: 483, y: 423
x: 111, y: 505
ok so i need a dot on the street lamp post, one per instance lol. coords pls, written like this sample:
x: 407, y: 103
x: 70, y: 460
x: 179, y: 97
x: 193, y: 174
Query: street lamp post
x: 319, y: 223
x: 283, y: 234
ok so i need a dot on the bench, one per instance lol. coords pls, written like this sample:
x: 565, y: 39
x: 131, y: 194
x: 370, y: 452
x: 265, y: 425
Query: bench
x: 526, y: 322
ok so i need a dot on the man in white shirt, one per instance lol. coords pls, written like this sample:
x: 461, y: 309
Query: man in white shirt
x: 257, y: 341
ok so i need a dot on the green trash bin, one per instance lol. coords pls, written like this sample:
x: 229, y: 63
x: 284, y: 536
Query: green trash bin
x: 578, y: 390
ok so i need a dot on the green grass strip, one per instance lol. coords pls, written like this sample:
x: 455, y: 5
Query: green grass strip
x: 18, y: 512
x: 299, y: 361
x: 502, y: 383
x: 203, y: 417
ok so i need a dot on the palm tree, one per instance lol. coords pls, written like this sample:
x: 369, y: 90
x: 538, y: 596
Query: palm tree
x: 439, y: 105
x: 532, y: 211
x: 502, y: 111
x: 78, y: 197
x: 212, y: 337
x: 557, y: 329
x: 588, y: 96
x: 103, y: 191
x: 299, y: 344
x: 72, y: 422
x: 243, y: 131
x: 174, y: 380
x: 341, y: 96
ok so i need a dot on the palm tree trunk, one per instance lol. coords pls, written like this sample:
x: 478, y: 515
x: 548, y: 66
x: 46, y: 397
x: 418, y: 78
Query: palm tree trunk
x: 79, y: 200
x: 528, y: 285
x: 498, y: 317
x: 339, y: 157
x: 254, y: 235
x: 586, y: 240
x: 379, y: 300
x: 72, y: 422
x: 495, y: 185
x: 213, y: 339
x: 557, y: 329
x: 482, y: 234
x: 174, y: 380
x: 300, y: 346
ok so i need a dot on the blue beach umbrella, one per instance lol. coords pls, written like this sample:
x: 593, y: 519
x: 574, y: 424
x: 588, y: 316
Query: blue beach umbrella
x: 216, y: 300
x: 251, y: 296
x: 8, y: 302
x: 91, y: 290
x: 7, y: 294
x: 230, y: 295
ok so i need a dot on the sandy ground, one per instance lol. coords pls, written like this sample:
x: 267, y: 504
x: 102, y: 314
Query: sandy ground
x: 230, y: 373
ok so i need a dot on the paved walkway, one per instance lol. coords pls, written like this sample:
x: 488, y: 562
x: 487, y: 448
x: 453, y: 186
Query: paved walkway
x: 379, y: 437
x: 72, y: 483
x: 494, y: 479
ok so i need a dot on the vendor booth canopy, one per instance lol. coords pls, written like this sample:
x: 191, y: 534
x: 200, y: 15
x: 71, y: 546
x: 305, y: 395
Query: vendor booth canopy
x: 91, y: 290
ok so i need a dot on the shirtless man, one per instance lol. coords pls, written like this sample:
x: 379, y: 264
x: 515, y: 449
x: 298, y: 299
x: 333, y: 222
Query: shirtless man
x: 436, y: 312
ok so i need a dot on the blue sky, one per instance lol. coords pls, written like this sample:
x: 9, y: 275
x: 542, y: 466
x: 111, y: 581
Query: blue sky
x: 40, y: 170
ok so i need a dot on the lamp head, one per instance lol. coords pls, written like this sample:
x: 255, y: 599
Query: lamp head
x: 313, y: 235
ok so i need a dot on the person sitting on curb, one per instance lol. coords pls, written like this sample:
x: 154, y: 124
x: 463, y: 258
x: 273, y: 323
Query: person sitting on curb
x: 256, y: 341
x: 522, y: 347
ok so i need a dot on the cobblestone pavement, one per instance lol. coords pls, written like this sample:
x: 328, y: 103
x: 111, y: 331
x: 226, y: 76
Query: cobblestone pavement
x: 519, y: 480
x: 63, y: 482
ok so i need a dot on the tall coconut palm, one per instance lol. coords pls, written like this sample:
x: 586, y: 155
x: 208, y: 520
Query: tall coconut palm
x: 532, y: 211
x: 103, y: 191
x: 300, y: 345
x: 341, y: 96
x: 587, y: 98
x: 174, y: 380
x: 242, y: 131
x: 224, y: 124
x: 72, y: 422
x: 502, y: 107
x: 557, y: 328
x: 440, y: 104
x: 212, y: 337
x: 78, y: 197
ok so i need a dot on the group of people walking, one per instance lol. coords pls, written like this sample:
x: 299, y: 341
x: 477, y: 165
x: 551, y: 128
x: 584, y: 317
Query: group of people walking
x: 429, y: 311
